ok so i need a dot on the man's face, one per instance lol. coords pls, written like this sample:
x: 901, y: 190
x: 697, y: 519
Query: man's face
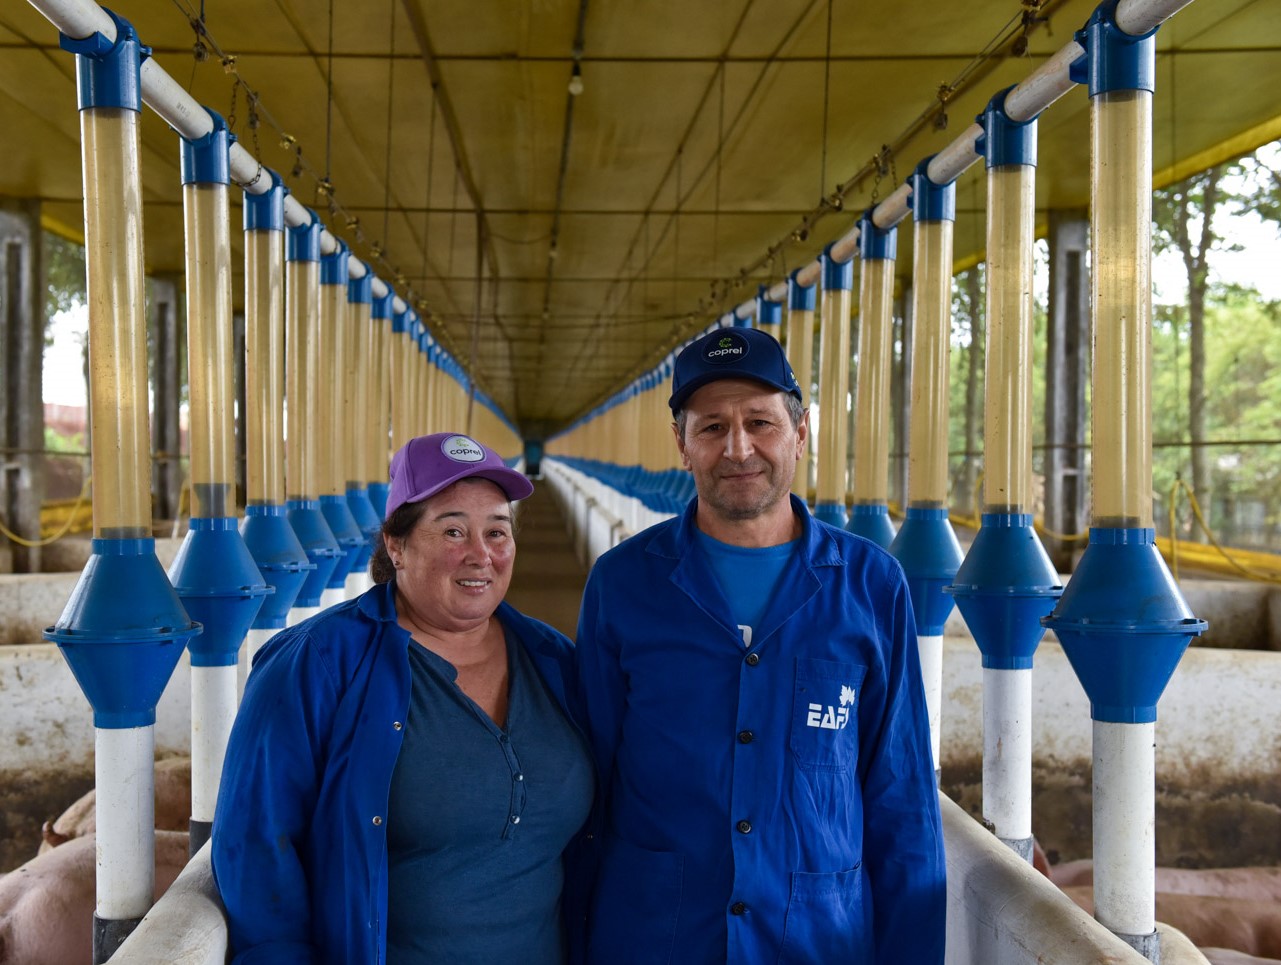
x: 741, y: 446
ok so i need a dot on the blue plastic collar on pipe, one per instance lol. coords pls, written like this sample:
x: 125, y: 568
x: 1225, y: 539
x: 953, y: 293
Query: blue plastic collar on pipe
x: 837, y: 275
x: 876, y: 243
x: 1114, y: 59
x: 767, y: 312
x: 266, y: 211
x: 360, y: 291
x: 930, y: 201
x: 383, y: 306
x: 803, y: 298
x: 1004, y: 587
x: 831, y: 513
x: 122, y: 632
x: 343, y: 525
x: 367, y: 521
x: 218, y: 582
x: 107, y: 73
x: 871, y: 521
x: 333, y: 266
x: 302, y: 242
x: 1123, y: 624
x: 927, y: 548
x: 280, y: 559
x: 378, y: 497
x: 318, y: 543
x: 400, y: 321
x: 206, y: 159
x: 1005, y: 141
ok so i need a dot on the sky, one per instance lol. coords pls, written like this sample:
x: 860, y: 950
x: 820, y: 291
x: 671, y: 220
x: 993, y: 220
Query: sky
x: 1255, y: 265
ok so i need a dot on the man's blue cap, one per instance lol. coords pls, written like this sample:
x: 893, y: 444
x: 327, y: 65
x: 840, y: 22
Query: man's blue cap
x: 731, y: 353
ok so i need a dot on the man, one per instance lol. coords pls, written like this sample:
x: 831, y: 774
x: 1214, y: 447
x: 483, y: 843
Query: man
x: 753, y: 698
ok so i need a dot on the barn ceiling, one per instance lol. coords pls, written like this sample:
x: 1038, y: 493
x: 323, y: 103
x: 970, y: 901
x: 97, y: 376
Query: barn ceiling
x: 609, y: 225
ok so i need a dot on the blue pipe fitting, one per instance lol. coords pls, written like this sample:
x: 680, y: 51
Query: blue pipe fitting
x: 280, y: 558
x: 378, y: 499
x: 874, y: 242
x: 350, y: 540
x: 360, y: 291
x: 1003, y: 588
x: 927, y: 548
x: 382, y: 307
x: 206, y: 159
x: 1113, y: 59
x: 837, y: 275
x: 122, y: 632
x: 767, y: 312
x: 401, y: 322
x: 302, y: 242
x: 831, y: 513
x: 333, y: 266
x: 1123, y: 624
x: 219, y: 584
x: 106, y: 72
x: 318, y: 543
x: 266, y: 211
x: 368, y: 521
x: 803, y: 298
x: 930, y: 201
x: 871, y: 521
x: 732, y: 319
x: 1005, y: 141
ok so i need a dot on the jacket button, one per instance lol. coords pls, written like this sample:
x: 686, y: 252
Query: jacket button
x: 396, y: 725
x: 746, y: 737
x: 377, y: 821
x: 753, y: 659
x: 738, y: 908
x: 744, y: 827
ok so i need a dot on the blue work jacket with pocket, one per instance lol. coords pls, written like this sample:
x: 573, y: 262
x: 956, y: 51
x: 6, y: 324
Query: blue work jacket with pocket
x: 300, y: 833
x: 764, y: 803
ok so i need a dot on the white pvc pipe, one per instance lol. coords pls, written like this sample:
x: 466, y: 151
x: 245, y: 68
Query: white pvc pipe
x: 931, y: 651
x: 254, y: 642
x: 1125, y: 826
x: 125, y: 782
x: 332, y: 596
x: 213, y: 708
x: 300, y: 613
x: 1007, y: 752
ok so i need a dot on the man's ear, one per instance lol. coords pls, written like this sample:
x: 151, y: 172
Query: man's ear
x: 802, y: 433
x: 680, y: 444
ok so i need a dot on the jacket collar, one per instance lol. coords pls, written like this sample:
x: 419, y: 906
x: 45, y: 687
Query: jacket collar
x: 693, y: 576
x: 818, y: 546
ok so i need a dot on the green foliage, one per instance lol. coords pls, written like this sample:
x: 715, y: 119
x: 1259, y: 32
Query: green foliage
x: 55, y: 441
x: 65, y: 275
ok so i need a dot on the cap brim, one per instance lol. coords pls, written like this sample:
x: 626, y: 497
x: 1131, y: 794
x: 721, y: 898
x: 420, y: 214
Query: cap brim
x: 677, y: 402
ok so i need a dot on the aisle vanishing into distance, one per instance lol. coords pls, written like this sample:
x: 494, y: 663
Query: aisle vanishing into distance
x: 547, y: 582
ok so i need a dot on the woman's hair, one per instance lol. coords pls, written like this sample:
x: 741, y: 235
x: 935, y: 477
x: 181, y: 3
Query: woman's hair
x: 398, y: 525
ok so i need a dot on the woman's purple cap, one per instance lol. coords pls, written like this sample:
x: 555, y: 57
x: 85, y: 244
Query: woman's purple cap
x: 425, y: 465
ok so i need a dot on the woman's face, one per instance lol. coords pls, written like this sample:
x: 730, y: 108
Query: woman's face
x: 456, y: 563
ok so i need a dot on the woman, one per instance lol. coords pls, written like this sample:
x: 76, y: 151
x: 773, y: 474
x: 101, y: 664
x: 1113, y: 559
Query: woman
x: 402, y: 779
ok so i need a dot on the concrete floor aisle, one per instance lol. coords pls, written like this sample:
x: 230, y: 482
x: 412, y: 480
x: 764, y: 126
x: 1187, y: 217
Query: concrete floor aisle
x: 547, y: 581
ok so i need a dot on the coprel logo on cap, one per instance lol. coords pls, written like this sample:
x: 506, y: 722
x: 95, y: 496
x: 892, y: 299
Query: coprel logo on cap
x: 728, y: 348
x: 462, y: 449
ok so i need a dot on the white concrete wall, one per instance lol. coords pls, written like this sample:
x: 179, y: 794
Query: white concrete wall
x: 1218, y: 715
x: 47, y: 724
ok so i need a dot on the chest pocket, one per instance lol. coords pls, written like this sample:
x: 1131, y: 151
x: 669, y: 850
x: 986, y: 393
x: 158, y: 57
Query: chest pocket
x: 825, y: 713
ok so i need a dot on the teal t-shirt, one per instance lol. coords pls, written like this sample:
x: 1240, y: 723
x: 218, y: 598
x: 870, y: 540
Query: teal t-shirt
x: 747, y: 576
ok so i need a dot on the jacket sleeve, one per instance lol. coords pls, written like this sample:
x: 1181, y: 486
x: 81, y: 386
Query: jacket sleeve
x: 903, y: 838
x: 270, y: 782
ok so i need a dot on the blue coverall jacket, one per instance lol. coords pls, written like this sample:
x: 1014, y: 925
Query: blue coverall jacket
x: 774, y: 803
x: 300, y: 831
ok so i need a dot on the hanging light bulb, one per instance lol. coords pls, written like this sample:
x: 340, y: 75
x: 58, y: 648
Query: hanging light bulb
x: 576, y: 80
